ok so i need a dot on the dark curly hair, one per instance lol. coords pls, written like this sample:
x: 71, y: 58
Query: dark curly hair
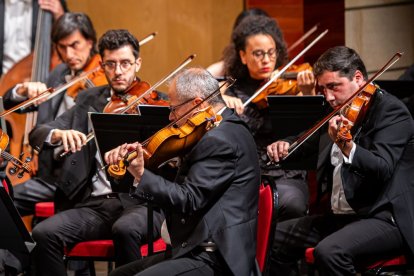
x: 250, y: 26
x: 115, y: 39
x: 342, y: 59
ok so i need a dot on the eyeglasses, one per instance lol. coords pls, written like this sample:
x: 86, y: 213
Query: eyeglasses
x: 112, y: 65
x: 259, y: 55
x: 173, y: 108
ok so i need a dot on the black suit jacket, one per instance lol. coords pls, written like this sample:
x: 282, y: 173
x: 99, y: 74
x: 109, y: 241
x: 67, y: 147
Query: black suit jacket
x: 217, y: 198
x: 49, y: 168
x: 78, y: 168
x: 381, y: 174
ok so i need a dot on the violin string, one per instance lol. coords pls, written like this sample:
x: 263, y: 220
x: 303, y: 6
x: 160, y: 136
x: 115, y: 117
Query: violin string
x: 15, y: 161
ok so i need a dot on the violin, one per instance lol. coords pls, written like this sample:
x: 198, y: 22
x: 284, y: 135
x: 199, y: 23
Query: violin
x: 354, y: 113
x: 118, y: 103
x: 286, y: 84
x: 96, y: 78
x: 19, y: 166
x: 170, y: 142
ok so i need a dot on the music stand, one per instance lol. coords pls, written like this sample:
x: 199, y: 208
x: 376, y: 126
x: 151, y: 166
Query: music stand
x: 14, y: 236
x: 112, y: 130
x: 291, y: 115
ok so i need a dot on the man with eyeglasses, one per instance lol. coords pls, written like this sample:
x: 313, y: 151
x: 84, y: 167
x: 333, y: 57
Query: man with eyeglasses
x: 259, y: 49
x: 99, y: 212
x: 211, y: 207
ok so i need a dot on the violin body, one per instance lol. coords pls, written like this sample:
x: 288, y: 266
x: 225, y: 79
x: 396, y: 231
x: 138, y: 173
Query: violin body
x: 355, y: 113
x: 118, y: 103
x: 176, y: 141
x: 285, y: 85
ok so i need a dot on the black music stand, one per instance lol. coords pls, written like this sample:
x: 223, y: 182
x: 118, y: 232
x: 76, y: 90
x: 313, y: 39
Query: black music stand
x: 291, y: 115
x: 112, y: 130
x: 14, y: 236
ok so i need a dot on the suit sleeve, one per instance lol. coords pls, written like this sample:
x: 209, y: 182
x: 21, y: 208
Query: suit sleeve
x: 213, y: 164
x: 379, y: 149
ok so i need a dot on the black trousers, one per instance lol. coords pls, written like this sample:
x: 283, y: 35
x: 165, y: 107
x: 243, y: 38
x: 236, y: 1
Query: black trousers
x: 195, y: 263
x: 292, y: 187
x: 342, y: 242
x: 97, y: 219
x: 30, y: 192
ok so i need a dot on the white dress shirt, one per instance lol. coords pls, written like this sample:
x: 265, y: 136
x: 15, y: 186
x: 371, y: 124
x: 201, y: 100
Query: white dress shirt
x: 339, y: 204
x: 17, y: 31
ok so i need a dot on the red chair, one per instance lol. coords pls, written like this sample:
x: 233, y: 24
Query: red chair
x: 91, y: 251
x: 397, y: 264
x: 266, y: 222
x: 103, y: 250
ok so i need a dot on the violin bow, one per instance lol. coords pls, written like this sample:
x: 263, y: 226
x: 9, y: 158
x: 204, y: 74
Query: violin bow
x: 302, y: 38
x: 310, y: 132
x: 91, y: 135
x: 49, y: 93
x: 148, y: 38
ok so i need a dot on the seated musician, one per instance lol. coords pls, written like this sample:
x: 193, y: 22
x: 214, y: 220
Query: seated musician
x: 211, y: 209
x: 258, y: 50
x: 99, y: 212
x: 75, y: 42
x: 369, y: 178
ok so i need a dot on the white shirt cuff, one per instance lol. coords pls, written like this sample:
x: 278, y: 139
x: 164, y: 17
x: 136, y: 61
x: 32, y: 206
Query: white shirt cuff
x: 136, y: 183
x: 49, y: 139
x: 16, y: 97
x: 348, y: 160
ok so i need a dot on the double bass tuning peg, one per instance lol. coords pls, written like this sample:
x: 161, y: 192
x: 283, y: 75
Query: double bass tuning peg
x: 13, y: 170
x: 20, y: 174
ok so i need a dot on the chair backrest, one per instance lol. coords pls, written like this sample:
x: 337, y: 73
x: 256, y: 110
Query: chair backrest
x: 266, y: 222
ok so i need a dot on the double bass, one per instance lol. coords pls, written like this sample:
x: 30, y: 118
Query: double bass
x: 40, y: 61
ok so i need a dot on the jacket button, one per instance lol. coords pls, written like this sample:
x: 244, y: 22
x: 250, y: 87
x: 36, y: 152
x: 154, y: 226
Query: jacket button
x: 183, y: 221
x: 73, y: 162
x: 184, y: 244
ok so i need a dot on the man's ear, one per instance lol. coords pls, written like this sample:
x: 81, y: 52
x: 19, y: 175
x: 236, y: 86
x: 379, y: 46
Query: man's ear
x: 197, y: 100
x: 359, y: 78
x: 138, y: 61
x: 243, y: 57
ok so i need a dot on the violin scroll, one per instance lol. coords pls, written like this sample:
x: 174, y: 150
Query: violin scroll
x: 19, y: 166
